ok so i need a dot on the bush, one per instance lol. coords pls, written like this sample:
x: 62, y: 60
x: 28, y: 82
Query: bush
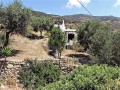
x: 36, y: 73
x: 102, y: 43
x: 2, y: 39
x: 56, y: 41
x: 116, y: 48
x: 2, y: 81
x: 105, y: 45
x: 87, y: 30
x: 94, y: 77
x: 101, y: 46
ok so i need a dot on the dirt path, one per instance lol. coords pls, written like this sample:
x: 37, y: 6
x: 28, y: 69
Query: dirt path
x: 25, y: 48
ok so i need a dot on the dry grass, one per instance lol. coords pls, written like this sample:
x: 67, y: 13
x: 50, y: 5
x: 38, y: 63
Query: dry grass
x: 28, y: 48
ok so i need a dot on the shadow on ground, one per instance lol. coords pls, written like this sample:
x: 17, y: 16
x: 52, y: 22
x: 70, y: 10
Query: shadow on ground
x: 15, y: 52
x: 33, y: 36
x: 82, y: 58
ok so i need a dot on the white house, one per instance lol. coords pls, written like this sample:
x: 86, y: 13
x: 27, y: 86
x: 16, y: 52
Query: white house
x: 70, y: 34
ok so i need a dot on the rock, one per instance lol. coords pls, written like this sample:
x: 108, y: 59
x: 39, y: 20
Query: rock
x: 10, y: 66
x: 2, y: 87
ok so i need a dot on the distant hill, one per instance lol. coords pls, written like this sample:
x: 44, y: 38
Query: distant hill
x: 84, y: 17
x: 113, y: 21
x: 78, y: 17
x: 37, y: 13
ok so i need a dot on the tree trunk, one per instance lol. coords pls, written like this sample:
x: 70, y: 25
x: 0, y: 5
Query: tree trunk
x: 7, y: 39
x: 41, y: 33
x: 59, y: 54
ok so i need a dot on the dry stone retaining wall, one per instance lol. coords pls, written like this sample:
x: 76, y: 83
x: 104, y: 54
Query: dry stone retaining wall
x: 7, y: 67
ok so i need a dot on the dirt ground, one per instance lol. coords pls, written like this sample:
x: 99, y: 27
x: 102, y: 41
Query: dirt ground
x: 25, y: 48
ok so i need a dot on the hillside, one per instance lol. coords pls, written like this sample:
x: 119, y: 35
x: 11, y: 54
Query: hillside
x: 24, y: 48
x: 77, y: 17
x: 37, y: 13
x: 113, y: 21
x: 83, y: 17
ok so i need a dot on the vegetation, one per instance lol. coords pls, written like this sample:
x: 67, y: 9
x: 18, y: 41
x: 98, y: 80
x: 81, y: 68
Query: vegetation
x: 2, y: 39
x: 42, y: 23
x: 56, y: 42
x: 115, y: 49
x: 37, y: 74
x: 6, y: 51
x: 1, y: 81
x: 102, y: 43
x: 1, y: 13
x: 87, y: 30
x: 38, y: 24
x: 96, y: 37
x: 85, y: 77
x: 16, y: 18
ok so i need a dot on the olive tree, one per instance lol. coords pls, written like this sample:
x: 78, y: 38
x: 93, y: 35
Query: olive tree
x: 56, y: 41
x: 101, y: 45
x: 98, y: 38
x: 1, y: 16
x: 16, y: 19
x: 38, y: 24
x: 50, y: 23
x: 42, y: 23
x: 86, y: 30
x: 116, y: 48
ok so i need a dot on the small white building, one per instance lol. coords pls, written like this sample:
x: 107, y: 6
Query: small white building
x: 70, y: 34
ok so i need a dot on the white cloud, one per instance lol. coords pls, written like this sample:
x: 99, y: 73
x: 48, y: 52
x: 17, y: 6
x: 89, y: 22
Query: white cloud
x: 75, y: 3
x: 117, y: 3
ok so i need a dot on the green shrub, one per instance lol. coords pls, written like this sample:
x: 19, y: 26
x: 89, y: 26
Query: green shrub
x: 1, y: 81
x: 94, y: 77
x: 2, y: 39
x: 56, y: 41
x: 38, y: 73
x: 6, y: 51
x: 101, y: 42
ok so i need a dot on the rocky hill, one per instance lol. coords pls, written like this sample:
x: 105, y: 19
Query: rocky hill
x: 113, y: 21
x: 83, y: 17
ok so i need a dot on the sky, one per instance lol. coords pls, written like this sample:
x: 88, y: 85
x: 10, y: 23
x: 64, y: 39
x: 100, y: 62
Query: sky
x: 70, y: 7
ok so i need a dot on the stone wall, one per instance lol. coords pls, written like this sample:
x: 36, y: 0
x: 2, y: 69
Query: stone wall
x: 9, y: 71
x: 7, y: 67
x: 12, y: 67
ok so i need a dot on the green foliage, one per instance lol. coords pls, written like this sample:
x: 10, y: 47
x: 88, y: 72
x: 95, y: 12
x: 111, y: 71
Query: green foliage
x: 16, y: 19
x: 105, y: 45
x: 85, y: 77
x: 1, y: 81
x: 2, y: 39
x: 42, y: 23
x: 87, y: 30
x: 56, y: 42
x: 116, y: 48
x: 38, y: 24
x: 102, y: 43
x: 6, y: 51
x: 1, y: 12
x: 37, y: 74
